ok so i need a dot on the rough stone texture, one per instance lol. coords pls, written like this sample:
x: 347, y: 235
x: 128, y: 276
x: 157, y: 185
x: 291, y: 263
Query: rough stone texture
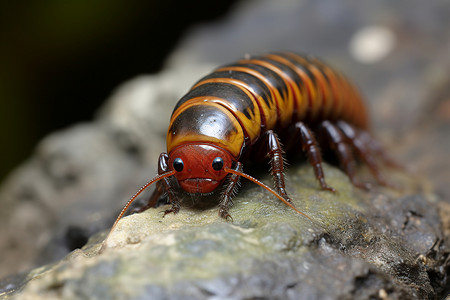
x: 269, y: 251
x: 383, y: 244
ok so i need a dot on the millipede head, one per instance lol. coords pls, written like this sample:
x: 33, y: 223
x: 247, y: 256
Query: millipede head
x: 199, y: 167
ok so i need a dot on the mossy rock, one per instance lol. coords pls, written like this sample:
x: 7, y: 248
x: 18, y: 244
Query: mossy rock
x: 267, y: 251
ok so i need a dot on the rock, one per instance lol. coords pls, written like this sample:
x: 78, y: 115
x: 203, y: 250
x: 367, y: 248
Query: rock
x: 268, y: 251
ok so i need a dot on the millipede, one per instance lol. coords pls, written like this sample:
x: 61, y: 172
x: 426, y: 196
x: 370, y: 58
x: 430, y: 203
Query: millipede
x: 242, y: 111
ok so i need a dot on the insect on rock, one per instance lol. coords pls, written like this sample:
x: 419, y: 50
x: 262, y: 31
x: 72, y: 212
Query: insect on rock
x: 242, y: 110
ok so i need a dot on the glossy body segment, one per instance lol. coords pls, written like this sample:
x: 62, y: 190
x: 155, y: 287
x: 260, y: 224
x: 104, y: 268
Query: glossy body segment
x: 262, y: 93
x: 205, y: 122
x: 308, y: 73
x: 272, y: 83
x: 299, y: 82
x: 233, y: 95
x: 283, y: 84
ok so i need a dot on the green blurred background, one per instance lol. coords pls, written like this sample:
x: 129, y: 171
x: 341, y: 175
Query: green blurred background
x: 59, y: 60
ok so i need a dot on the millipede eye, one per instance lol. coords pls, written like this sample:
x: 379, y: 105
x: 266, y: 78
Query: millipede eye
x: 178, y: 164
x: 217, y: 163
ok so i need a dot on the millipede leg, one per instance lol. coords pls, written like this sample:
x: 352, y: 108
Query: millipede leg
x: 277, y: 163
x: 226, y: 202
x: 174, y: 209
x: 310, y: 146
x: 363, y: 150
x: 164, y: 185
x: 378, y: 150
x: 343, y: 152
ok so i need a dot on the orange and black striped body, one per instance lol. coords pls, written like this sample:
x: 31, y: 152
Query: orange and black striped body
x: 244, y: 106
x: 235, y: 104
x: 247, y: 103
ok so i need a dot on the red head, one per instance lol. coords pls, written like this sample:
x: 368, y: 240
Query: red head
x: 199, y: 167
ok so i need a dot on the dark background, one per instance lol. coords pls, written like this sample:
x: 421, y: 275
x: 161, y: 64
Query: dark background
x: 61, y: 59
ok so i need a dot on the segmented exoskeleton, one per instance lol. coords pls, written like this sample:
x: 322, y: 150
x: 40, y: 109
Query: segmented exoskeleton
x: 240, y: 110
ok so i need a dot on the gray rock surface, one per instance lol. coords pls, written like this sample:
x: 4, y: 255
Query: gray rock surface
x: 356, y: 248
x: 386, y: 244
